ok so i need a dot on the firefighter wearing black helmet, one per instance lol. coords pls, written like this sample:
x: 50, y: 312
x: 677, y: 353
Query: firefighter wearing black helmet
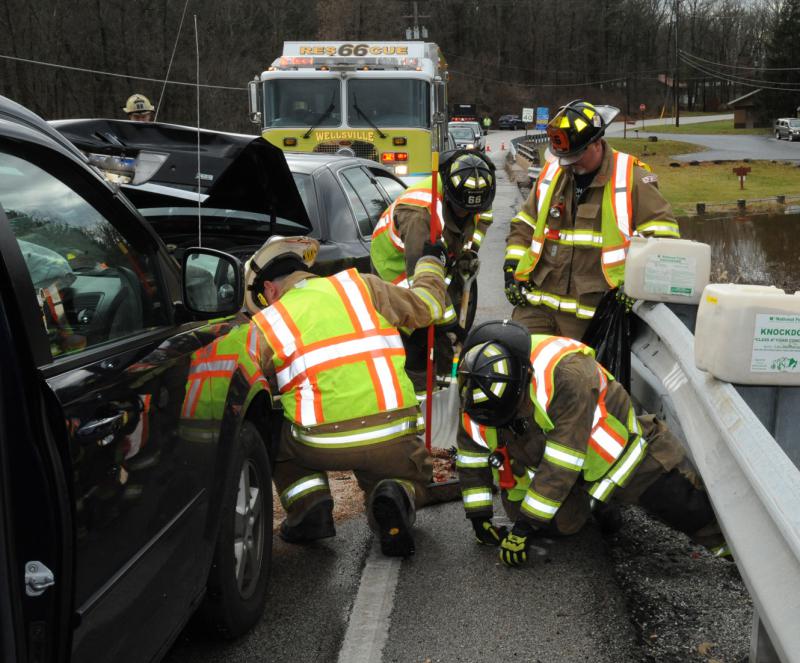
x: 572, y: 440
x: 466, y: 190
x: 567, y: 245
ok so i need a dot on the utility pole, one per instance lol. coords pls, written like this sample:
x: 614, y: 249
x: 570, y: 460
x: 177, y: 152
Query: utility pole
x: 675, y: 82
x: 417, y: 31
x: 627, y: 106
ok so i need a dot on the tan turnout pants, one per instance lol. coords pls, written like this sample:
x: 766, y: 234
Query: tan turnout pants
x: 300, y: 470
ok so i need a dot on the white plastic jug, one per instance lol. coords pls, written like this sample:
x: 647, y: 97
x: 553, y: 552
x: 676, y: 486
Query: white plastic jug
x: 748, y: 334
x: 667, y: 270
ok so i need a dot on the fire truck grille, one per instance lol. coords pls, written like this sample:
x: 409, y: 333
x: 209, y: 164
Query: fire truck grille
x: 359, y: 148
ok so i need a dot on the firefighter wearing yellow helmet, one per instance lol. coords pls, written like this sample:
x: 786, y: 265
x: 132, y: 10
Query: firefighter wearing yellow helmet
x: 139, y: 108
x: 567, y: 245
x: 466, y: 190
x: 330, y: 347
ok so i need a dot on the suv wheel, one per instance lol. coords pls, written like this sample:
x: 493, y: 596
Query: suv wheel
x: 777, y: 135
x: 237, y: 582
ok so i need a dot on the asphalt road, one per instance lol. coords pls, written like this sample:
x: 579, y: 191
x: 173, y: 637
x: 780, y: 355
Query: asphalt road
x: 340, y: 600
x: 736, y: 148
x: 719, y: 147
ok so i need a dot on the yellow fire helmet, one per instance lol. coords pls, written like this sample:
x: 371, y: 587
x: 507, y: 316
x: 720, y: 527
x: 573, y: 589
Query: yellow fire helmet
x: 138, y: 103
x: 277, y: 257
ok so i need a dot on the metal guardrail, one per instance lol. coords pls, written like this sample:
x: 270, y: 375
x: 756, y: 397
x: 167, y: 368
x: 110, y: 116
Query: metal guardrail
x: 754, y: 486
x: 526, y: 145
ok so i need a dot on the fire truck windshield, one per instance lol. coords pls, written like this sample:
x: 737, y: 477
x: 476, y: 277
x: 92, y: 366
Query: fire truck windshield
x: 388, y: 103
x: 294, y: 102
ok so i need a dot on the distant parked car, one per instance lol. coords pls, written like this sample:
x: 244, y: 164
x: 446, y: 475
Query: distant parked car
x: 788, y: 128
x: 513, y: 122
x: 246, y: 194
x: 468, y: 135
x: 463, y: 137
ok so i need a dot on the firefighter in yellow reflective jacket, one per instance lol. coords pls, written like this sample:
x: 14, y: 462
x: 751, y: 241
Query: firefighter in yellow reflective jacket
x: 331, y: 347
x: 572, y: 440
x: 465, y: 193
x: 567, y: 245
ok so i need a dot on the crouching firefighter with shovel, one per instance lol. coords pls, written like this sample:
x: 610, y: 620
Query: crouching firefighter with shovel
x: 465, y: 189
x: 565, y: 437
x: 330, y: 347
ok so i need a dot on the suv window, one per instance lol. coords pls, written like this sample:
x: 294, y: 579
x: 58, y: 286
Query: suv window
x: 366, y: 198
x: 91, y: 284
x: 391, y: 186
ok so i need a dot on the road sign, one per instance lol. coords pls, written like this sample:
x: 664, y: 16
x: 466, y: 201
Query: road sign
x: 527, y: 115
x: 642, y: 108
x: 542, y: 117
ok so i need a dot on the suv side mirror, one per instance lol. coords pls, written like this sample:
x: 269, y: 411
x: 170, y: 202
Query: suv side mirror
x: 212, y: 281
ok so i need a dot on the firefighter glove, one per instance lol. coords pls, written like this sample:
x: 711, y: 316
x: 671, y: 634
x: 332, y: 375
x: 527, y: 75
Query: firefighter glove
x: 435, y: 250
x: 487, y: 534
x: 514, y: 546
x: 468, y: 263
x: 514, y: 293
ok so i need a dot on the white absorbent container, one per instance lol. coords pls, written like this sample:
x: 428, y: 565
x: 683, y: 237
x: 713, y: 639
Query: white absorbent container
x: 667, y: 270
x: 748, y: 334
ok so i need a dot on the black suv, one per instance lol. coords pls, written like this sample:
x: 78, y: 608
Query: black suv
x: 510, y: 122
x: 134, y: 463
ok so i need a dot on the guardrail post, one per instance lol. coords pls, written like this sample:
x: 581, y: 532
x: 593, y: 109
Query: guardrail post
x: 761, y: 648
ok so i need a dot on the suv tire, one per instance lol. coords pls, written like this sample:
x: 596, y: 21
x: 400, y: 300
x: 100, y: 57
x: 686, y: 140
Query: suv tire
x: 777, y: 135
x: 237, y: 582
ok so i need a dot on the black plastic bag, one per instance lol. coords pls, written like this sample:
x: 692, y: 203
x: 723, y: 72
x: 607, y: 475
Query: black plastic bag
x: 609, y: 333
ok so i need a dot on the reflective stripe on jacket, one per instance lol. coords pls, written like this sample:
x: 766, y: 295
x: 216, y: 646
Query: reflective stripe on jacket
x: 336, y: 358
x: 387, y: 249
x: 616, y: 226
x: 605, y: 460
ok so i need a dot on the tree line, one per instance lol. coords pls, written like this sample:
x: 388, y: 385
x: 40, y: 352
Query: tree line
x: 502, y: 55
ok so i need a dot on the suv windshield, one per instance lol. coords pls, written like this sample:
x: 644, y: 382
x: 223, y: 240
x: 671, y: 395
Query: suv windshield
x: 294, y: 102
x: 388, y: 102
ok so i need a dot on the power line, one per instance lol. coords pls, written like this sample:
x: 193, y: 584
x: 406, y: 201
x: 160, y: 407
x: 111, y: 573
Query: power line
x: 542, y: 71
x: 531, y: 85
x: 111, y: 73
x: 761, y: 85
x: 756, y: 82
x: 737, y: 66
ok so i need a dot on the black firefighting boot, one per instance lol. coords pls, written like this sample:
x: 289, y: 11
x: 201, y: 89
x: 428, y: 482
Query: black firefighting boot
x: 390, y: 515
x: 316, y: 524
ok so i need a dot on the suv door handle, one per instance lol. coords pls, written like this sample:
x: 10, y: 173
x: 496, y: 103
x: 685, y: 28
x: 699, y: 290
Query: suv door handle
x: 101, y: 430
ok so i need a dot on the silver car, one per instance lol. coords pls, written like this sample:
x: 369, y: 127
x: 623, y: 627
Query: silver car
x: 788, y: 128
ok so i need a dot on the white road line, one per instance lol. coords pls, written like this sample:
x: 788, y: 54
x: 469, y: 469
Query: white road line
x: 369, y: 621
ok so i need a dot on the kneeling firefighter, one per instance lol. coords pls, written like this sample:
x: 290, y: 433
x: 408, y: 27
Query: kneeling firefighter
x: 466, y: 189
x: 565, y: 437
x: 330, y: 347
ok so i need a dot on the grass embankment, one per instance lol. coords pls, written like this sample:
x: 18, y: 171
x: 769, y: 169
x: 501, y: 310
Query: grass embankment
x: 716, y: 127
x: 709, y: 183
